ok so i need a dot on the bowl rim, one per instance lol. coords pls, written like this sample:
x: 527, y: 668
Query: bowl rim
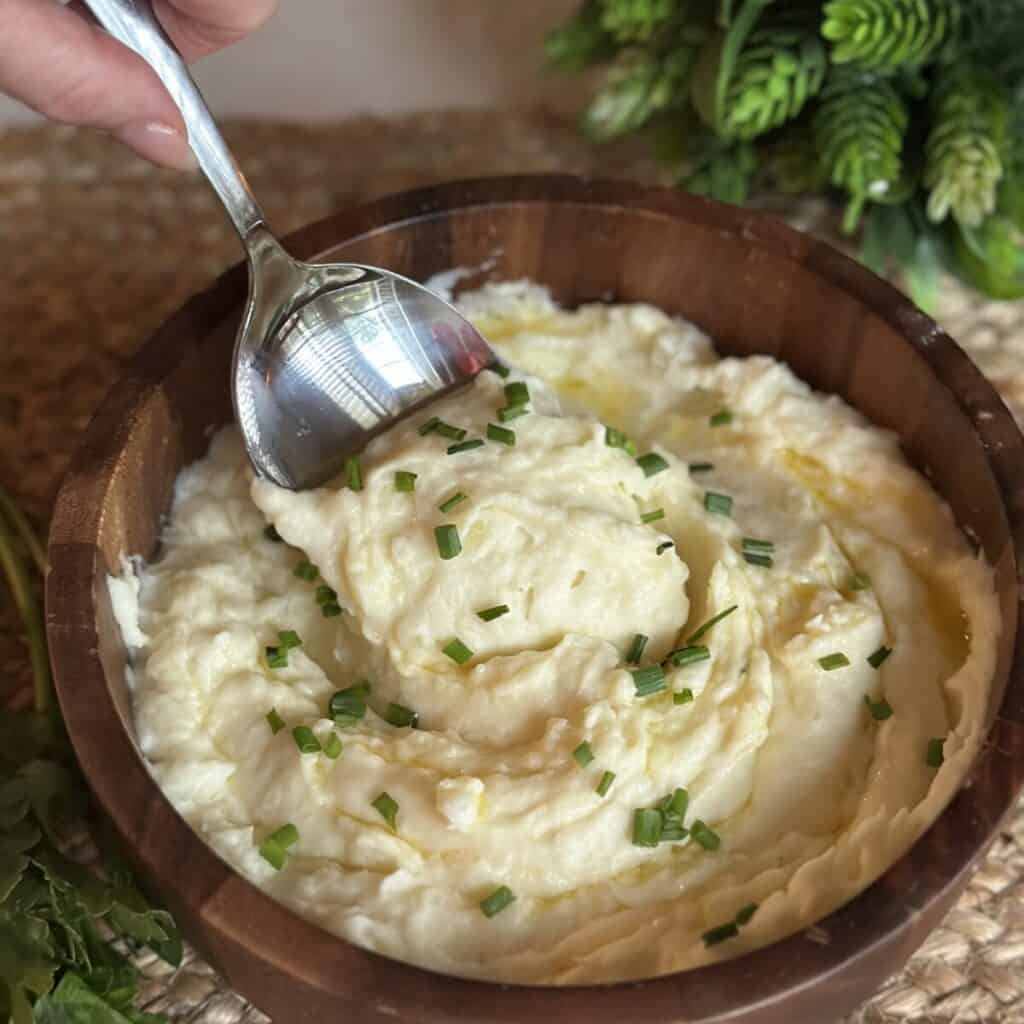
x: 329, y: 963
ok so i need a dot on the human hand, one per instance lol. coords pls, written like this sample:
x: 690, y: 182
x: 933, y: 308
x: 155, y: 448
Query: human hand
x: 59, y: 62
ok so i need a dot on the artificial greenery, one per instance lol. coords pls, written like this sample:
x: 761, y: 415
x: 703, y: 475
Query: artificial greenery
x: 64, y: 928
x: 910, y: 112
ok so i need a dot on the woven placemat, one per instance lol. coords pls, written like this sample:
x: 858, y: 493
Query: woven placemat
x: 96, y: 248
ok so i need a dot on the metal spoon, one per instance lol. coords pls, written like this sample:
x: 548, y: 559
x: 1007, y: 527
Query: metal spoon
x: 327, y: 355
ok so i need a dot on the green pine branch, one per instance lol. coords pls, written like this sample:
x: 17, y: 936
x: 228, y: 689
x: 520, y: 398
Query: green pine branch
x: 581, y: 42
x: 781, y: 66
x: 910, y: 110
x: 639, y: 88
x: 636, y: 21
x: 966, y: 146
x: 888, y: 33
x: 859, y: 127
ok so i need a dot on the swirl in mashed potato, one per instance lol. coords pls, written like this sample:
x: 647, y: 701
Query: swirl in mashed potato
x: 804, y: 792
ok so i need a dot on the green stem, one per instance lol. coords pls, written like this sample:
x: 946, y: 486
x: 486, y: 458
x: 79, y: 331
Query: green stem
x: 20, y: 523
x: 735, y: 37
x: 21, y: 590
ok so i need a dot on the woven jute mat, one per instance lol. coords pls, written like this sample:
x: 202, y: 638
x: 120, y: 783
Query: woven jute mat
x: 97, y: 248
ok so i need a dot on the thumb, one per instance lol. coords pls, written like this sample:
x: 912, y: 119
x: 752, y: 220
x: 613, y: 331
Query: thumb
x: 69, y: 70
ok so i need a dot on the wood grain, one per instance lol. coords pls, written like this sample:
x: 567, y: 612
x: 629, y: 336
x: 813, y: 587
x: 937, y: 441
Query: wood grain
x: 756, y: 286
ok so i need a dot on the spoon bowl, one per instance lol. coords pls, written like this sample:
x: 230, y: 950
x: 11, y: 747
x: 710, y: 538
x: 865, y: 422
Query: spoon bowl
x: 327, y: 355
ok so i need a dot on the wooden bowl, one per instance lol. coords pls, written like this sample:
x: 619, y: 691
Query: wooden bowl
x: 755, y: 286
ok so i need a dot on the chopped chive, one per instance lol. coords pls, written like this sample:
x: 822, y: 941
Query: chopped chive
x: 730, y: 929
x: 688, y: 655
x: 274, y: 849
x: 684, y: 696
x: 713, y: 621
x: 332, y: 746
x: 354, y: 473
x: 875, y: 660
x: 500, y: 434
x: 605, y: 784
x: 517, y: 393
x: 275, y: 721
x: 758, y: 552
x: 500, y: 369
x: 288, y: 639
x: 934, y: 757
x: 647, y: 822
x: 429, y: 426
x: 615, y: 438
x: 447, y: 539
x: 457, y: 651
x: 345, y: 720
x: 721, y: 418
x: 704, y: 835
x: 674, y: 805
x: 673, y: 831
x: 401, y: 716
x: 636, y: 649
x: 387, y: 808
x: 880, y: 709
x: 326, y: 595
x: 497, y: 901
x: 713, y: 936
x: 329, y: 609
x: 648, y: 681
x: 270, y: 532
x: 490, y: 614
x: 276, y: 657
x: 745, y: 913
x: 583, y: 755
x: 347, y: 706
x: 306, y: 570
x: 405, y: 481
x: 719, y: 504
x: 464, y: 446
x: 447, y: 430
x: 305, y: 739
x: 833, y: 661
x: 653, y: 516
x: 701, y: 467
x: 449, y: 503
x: 859, y: 581
x: 511, y: 412
x: 651, y: 463
x: 664, y: 546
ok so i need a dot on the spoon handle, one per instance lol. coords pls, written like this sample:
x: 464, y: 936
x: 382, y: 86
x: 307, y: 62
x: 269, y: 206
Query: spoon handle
x: 133, y: 23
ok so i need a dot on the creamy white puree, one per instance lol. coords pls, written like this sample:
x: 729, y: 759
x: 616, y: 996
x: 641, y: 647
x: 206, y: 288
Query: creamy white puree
x: 811, y: 797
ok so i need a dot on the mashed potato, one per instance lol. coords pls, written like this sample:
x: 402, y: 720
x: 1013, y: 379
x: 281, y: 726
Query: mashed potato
x: 724, y: 647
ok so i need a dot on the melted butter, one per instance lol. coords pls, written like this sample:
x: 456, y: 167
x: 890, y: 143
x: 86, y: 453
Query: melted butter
x: 820, y: 481
x: 603, y: 393
x: 946, y: 614
x: 499, y: 328
x: 794, y: 610
x: 943, y: 609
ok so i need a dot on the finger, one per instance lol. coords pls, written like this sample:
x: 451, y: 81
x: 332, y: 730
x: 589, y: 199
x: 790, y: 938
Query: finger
x: 199, y: 27
x: 71, y: 71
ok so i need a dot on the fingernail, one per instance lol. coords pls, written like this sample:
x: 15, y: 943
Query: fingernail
x: 161, y: 143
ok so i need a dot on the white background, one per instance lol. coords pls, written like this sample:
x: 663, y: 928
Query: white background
x: 326, y: 59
